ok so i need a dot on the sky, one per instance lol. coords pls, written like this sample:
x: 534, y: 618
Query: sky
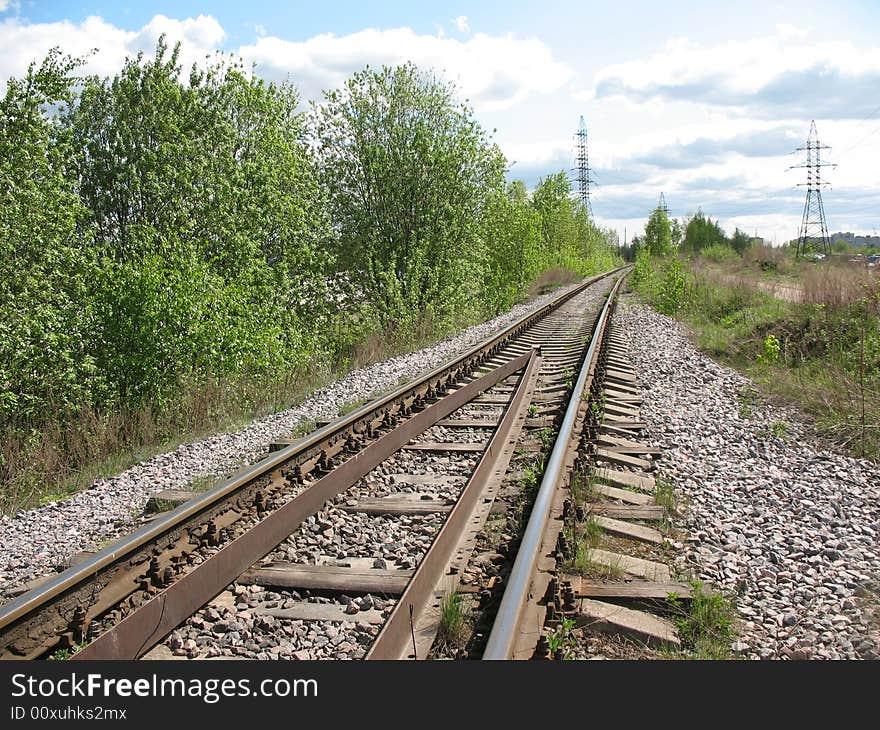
x: 706, y: 102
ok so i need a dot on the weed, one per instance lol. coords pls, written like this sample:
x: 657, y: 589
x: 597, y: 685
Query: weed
x: 748, y: 399
x: 531, y: 472
x: 664, y: 495
x: 582, y: 487
x: 770, y: 351
x: 587, y: 565
x: 304, y: 428
x: 452, y: 620
x: 546, y: 435
x: 705, y: 626
x: 203, y: 483
x: 561, y: 640
x: 779, y: 429
x: 533, y: 410
x: 61, y: 655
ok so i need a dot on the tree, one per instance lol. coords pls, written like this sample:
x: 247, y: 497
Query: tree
x: 211, y: 219
x: 740, y: 241
x: 552, y: 200
x: 512, y: 234
x: 408, y: 170
x: 658, y: 233
x: 46, y: 323
x: 702, y: 232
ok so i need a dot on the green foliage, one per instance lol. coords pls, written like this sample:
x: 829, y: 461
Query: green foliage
x: 740, y: 241
x: 511, y: 234
x: 663, y: 281
x: 570, y: 239
x: 452, y: 620
x: 658, y: 234
x: 823, y: 357
x: 46, y: 321
x: 718, y: 253
x: 561, y: 641
x: 779, y: 429
x: 408, y: 170
x: 770, y: 351
x: 705, y: 626
x: 664, y: 495
x: 671, y: 296
x: 702, y: 233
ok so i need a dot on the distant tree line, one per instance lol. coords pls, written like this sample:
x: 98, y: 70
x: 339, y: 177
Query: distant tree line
x: 691, y: 236
x: 158, y: 230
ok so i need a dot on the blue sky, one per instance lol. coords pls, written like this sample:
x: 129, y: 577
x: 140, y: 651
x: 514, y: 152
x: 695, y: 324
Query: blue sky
x: 704, y: 101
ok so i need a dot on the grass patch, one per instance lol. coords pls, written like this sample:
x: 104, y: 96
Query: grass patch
x: 453, y: 622
x: 304, y: 428
x: 705, y: 624
x: 822, y: 354
x: 664, y: 495
x: 582, y: 487
x: 582, y: 562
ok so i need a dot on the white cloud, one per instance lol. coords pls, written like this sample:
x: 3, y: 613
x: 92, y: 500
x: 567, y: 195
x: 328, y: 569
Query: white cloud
x: 785, y: 73
x: 3, y: 5
x: 493, y: 72
x: 21, y: 42
x: 461, y: 22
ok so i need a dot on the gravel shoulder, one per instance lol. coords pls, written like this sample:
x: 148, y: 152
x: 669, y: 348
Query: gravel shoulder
x: 41, y: 540
x: 787, y: 528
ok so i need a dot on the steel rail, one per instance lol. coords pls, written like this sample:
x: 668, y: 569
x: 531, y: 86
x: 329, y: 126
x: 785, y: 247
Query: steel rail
x: 502, y: 638
x: 148, y: 624
x: 19, y: 609
x: 393, y: 642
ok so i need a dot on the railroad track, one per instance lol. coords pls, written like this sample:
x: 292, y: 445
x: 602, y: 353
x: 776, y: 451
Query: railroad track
x: 597, y: 481
x: 371, y: 521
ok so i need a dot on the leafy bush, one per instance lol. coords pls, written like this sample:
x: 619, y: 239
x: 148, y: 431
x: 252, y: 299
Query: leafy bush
x: 719, y: 253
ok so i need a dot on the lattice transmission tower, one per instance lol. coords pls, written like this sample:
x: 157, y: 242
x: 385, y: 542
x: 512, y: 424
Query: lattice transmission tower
x: 583, y: 168
x: 662, y: 204
x: 813, y: 233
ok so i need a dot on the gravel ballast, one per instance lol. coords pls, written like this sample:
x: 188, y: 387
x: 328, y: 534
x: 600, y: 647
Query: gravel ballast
x: 39, y: 541
x: 784, y: 526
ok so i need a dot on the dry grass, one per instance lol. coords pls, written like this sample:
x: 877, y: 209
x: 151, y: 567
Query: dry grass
x: 68, y: 452
x: 839, y: 286
x: 550, y: 280
x: 767, y: 258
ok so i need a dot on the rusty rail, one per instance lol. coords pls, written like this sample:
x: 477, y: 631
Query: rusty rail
x: 393, y: 641
x: 507, y: 626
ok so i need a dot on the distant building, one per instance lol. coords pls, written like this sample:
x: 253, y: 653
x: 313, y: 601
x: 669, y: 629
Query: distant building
x: 856, y: 241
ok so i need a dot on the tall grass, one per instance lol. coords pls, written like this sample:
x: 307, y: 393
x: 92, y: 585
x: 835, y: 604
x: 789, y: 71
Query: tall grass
x: 839, y: 286
x: 829, y: 346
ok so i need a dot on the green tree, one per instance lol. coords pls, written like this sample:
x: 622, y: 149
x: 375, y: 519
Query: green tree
x: 740, y: 241
x: 702, y: 232
x: 211, y: 217
x: 408, y: 170
x: 552, y: 199
x: 512, y: 234
x: 658, y: 234
x: 46, y: 323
